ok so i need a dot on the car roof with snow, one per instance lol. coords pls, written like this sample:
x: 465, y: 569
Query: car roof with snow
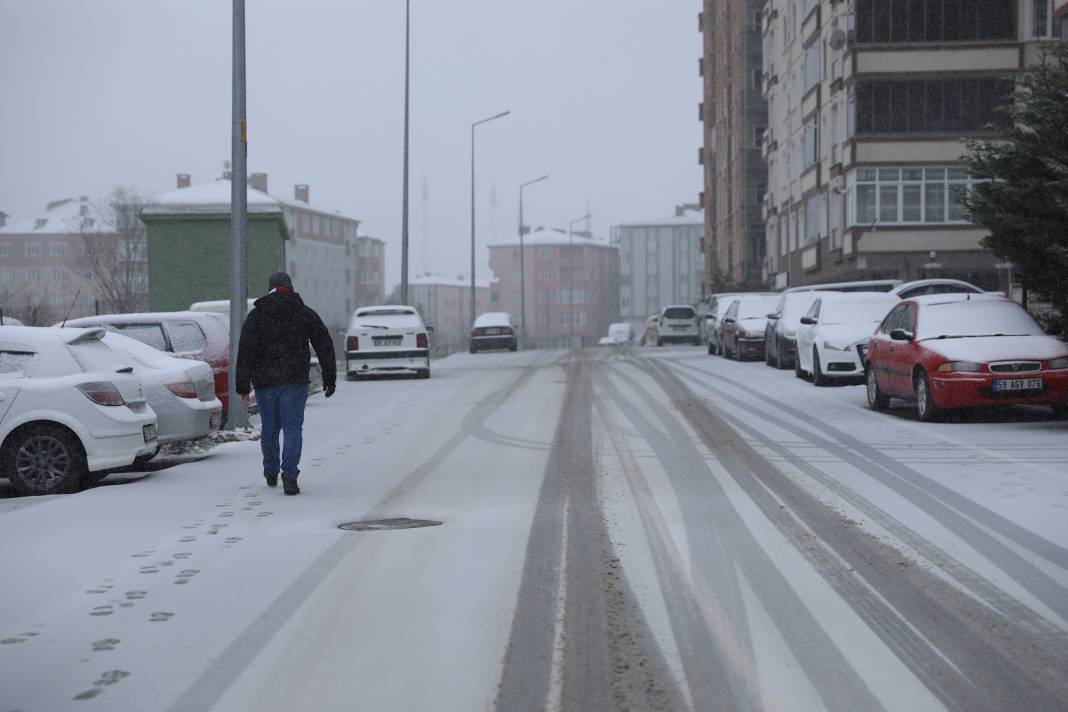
x: 855, y: 297
x: 139, y: 318
x: 494, y: 319
x: 936, y: 282
x: 954, y: 297
x: 49, y: 334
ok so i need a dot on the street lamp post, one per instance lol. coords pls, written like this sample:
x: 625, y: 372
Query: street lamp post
x: 473, y: 127
x: 404, y: 191
x: 238, y: 416
x: 571, y: 274
x: 522, y: 265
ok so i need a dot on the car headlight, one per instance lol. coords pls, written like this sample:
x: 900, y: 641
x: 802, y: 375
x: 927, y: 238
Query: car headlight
x: 1058, y: 363
x: 831, y: 347
x: 960, y: 367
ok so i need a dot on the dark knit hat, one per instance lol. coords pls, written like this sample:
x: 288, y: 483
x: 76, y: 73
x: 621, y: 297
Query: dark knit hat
x: 280, y: 280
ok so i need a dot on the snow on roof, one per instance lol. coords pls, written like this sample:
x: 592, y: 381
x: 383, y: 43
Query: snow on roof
x: 692, y: 218
x: 439, y: 280
x: 301, y: 205
x: 551, y: 236
x: 208, y: 198
x: 61, y: 217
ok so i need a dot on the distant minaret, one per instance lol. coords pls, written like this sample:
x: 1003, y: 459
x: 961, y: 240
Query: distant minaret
x: 425, y: 241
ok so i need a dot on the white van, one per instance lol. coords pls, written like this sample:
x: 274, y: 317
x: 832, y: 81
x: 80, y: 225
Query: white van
x: 621, y: 334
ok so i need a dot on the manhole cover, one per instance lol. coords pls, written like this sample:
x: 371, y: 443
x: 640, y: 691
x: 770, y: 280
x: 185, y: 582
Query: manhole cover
x: 373, y: 525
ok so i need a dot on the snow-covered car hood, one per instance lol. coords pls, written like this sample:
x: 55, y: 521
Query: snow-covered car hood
x: 985, y: 349
x: 846, y: 334
x: 754, y: 325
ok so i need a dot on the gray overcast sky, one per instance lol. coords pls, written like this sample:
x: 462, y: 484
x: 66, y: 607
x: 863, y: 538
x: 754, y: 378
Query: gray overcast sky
x: 603, y: 94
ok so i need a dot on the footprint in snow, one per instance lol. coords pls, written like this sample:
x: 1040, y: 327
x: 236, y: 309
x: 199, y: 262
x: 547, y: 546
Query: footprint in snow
x: 105, y: 644
x: 149, y: 570
x: 160, y: 617
x: 106, y: 610
x: 135, y: 595
x: 233, y: 539
x: 12, y: 641
x: 183, y: 554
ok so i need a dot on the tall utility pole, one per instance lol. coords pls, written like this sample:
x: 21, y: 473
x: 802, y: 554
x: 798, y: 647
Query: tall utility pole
x: 404, y: 192
x: 238, y: 417
x: 571, y: 275
x: 522, y: 265
x: 473, y: 127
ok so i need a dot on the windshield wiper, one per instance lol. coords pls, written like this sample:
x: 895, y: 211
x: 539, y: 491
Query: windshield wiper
x: 373, y: 326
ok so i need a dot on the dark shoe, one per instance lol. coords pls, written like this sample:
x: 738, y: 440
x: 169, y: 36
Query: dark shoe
x: 272, y: 480
x: 289, y: 486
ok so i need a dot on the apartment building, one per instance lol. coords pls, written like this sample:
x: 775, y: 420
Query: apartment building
x: 370, y: 271
x: 734, y: 116
x: 45, y: 270
x: 870, y: 106
x: 445, y: 303
x: 661, y: 262
x: 572, y: 286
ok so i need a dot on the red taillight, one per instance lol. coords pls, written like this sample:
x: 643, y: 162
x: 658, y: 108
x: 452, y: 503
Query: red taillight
x: 102, y: 393
x: 476, y: 333
x: 421, y: 341
x: 182, y: 389
x: 352, y: 344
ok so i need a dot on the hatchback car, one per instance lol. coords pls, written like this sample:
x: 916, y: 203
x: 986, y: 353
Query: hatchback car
x: 70, y: 409
x: 961, y: 350
x: 833, y: 336
x: 717, y: 307
x: 387, y: 339
x: 201, y: 336
x: 678, y: 324
x: 493, y: 330
x: 741, y: 333
x: 181, y: 391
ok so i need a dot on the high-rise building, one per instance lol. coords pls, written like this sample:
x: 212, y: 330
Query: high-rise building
x: 871, y: 104
x: 734, y: 115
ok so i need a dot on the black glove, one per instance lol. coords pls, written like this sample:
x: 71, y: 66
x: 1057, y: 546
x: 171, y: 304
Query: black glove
x: 329, y: 390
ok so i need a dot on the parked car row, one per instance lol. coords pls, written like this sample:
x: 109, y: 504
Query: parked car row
x: 76, y: 402
x: 942, y: 344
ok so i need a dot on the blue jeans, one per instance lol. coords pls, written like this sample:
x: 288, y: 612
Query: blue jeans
x: 282, y: 409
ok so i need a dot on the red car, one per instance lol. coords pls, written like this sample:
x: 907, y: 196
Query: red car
x: 946, y: 351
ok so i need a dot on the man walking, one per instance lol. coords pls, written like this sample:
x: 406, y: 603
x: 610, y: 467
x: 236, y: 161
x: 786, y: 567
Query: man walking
x: 273, y: 358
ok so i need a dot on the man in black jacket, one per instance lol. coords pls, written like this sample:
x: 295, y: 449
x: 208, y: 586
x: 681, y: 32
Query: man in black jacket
x: 273, y: 358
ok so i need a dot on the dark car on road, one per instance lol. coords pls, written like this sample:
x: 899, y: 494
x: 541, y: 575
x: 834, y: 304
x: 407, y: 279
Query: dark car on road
x: 741, y: 332
x: 780, y: 334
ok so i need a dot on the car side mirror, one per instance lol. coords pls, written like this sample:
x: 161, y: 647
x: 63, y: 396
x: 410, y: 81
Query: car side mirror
x: 728, y: 320
x: 773, y: 316
x: 900, y: 335
x: 430, y: 330
x: 808, y: 320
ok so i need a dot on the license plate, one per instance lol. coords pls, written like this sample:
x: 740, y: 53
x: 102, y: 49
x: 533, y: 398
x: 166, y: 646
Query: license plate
x: 149, y: 431
x: 1003, y: 385
x: 679, y: 326
x: 386, y: 340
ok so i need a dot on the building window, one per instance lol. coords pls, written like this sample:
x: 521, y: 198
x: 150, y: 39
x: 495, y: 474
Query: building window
x: 546, y: 275
x: 572, y: 296
x: 813, y: 218
x: 33, y: 249
x: 5, y: 249
x: 886, y: 21
x: 577, y: 318
x: 812, y: 66
x: 495, y: 298
x: 5, y: 274
x: 55, y: 249
x: 932, y: 105
x: 545, y: 252
x: 908, y: 196
x: 55, y: 274
x: 33, y: 274
x: 545, y: 296
x: 811, y: 148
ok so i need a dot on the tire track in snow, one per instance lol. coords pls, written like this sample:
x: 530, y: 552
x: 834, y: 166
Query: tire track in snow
x: 927, y: 495
x: 970, y: 657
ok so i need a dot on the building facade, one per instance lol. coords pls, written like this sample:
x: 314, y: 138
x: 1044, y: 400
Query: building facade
x: 734, y: 116
x: 871, y: 104
x: 660, y: 262
x: 445, y: 303
x: 370, y: 271
x: 47, y: 263
x: 572, y: 286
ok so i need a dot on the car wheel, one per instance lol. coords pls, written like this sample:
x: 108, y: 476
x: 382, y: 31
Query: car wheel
x: 1060, y: 411
x: 513, y: 347
x: 798, y: 373
x: 926, y: 409
x: 474, y: 349
x: 768, y: 360
x: 45, y: 459
x: 877, y: 400
x: 818, y: 378
x: 351, y: 377
x: 659, y: 341
x: 423, y: 373
x: 711, y: 349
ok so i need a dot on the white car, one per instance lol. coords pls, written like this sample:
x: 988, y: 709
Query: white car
x: 70, y: 409
x: 181, y: 391
x: 920, y: 287
x: 678, y: 324
x: 493, y: 330
x: 834, y: 334
x: 387, y: 339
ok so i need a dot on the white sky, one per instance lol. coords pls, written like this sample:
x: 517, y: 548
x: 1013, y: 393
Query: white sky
x: 603, y: 94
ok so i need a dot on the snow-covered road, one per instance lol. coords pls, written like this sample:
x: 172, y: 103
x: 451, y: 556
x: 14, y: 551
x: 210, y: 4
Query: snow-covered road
x: 622, y: 529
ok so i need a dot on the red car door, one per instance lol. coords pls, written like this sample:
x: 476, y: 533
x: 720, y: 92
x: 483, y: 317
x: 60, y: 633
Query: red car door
x: 880, y: 348
x: 902, y: 353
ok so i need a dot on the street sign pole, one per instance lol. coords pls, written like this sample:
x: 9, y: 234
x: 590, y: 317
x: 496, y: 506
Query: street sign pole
x: 238, y: 416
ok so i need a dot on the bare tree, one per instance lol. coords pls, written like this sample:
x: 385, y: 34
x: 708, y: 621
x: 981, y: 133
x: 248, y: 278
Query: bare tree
x: 32, y: 310
x: 115, y: 255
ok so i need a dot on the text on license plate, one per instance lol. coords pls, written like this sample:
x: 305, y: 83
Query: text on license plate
x: 386, y: 340
x: 149, y: 432
x: 1017, y: 384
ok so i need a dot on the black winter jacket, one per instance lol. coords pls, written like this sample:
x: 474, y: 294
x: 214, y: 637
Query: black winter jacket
x: 274, y: 344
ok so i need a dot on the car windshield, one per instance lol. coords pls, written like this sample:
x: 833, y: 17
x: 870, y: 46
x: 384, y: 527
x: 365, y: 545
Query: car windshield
x: 797, y: 305
x: 679, y: 313
x: 975, y: 318
x: 757, y: 307
x: 855, y: 312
